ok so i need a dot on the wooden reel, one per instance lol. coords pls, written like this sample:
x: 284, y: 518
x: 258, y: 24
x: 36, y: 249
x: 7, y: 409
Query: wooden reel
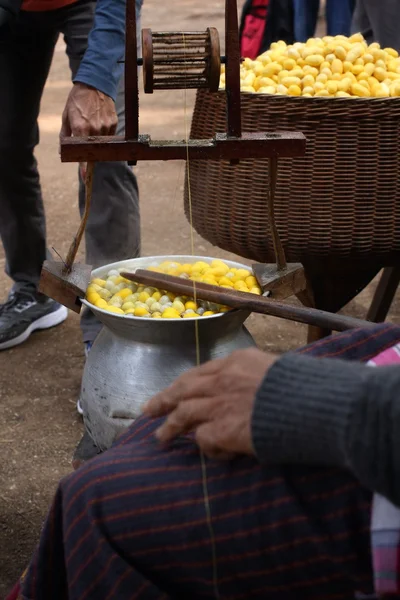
x: 179, y: 60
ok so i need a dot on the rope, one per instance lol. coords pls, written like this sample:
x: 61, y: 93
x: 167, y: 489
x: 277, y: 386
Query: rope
x: 197, y: 341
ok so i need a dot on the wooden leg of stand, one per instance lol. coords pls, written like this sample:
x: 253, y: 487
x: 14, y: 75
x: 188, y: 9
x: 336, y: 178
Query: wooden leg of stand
x: 380, y: 305
x: 306, y: 297
x: 383, y: 297
x: 333, y: 290
x: 314, y: 333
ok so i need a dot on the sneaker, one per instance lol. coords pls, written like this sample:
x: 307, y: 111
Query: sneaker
x: 24, y: 313
x: 88, y: 347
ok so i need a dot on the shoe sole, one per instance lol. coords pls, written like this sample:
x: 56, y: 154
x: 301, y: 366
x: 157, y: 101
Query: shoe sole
x: 79, y: 408
x: 51, y: 320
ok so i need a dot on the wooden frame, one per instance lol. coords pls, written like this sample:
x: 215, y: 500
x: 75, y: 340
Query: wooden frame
x: 233, y: 145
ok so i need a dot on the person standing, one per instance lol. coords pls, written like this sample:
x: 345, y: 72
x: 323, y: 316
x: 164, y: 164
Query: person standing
x: 264, y: 22
x: 94, y: 33
x: 338, y: 17
x: 378, y: 22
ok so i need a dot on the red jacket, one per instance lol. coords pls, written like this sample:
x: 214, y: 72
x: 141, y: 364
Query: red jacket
x: 40, y: 5
x: 264, y: 22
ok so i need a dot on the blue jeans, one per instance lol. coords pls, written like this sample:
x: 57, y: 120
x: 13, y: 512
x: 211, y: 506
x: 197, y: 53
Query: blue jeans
x: 338, y: 15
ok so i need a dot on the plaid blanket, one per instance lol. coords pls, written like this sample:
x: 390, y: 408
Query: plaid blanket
x: 385, y: 519
x: 131, y: 523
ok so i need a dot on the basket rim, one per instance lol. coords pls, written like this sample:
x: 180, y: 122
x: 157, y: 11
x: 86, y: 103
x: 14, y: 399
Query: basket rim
x: 351, y: 99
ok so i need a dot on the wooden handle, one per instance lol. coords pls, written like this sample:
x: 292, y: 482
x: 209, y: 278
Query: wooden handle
x: 246, y: 301
x: 278, y: 248
x: 78, y: 238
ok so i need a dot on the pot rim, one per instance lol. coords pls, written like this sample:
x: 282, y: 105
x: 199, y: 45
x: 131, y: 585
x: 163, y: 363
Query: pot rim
x: 148, y: 261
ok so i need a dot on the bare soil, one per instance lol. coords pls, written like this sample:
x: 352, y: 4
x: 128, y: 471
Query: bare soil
x: 40, y: 380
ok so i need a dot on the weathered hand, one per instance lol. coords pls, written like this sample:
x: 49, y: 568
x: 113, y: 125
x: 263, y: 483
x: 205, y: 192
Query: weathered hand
x: 216, y: 401
x: 88, y: 112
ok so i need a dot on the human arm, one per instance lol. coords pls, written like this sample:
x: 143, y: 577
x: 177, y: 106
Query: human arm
x: 333, y: 412
x: 5, y: 18
x: 100, y: 67
x: 296, y: 409
x: 90, y: 108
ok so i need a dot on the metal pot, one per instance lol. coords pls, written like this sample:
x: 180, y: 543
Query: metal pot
x: 134, y: 358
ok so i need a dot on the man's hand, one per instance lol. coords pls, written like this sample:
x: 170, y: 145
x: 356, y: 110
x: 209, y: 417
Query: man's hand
x: 216, y: 401
x: 88, y: 112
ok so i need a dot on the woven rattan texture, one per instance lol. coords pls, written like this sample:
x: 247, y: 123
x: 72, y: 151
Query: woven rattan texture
x: 340, y: 200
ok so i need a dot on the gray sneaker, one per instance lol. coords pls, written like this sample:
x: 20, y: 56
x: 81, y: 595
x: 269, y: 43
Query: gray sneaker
x: 24, y: 313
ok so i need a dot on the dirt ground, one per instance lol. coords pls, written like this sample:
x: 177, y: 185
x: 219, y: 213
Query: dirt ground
x: 40, y: 380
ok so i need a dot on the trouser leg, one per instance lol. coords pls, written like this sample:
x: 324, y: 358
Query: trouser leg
x: 24, y: 65
x: 378, y: 21
x: 338, y: 15
x: 305, y: 18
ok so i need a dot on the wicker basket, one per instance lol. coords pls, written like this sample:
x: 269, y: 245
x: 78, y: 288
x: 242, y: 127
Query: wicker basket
x: 340, y: 201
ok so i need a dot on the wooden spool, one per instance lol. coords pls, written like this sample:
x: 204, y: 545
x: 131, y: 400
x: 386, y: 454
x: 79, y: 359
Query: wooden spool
x: 179, y: 60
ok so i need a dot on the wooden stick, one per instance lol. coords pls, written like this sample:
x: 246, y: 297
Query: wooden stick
x: 278, y: 248
x: 246, y: 301
x: 78, y: 238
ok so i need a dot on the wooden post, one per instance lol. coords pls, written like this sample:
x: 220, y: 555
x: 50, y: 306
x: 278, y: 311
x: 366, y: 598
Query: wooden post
x: 384, y: 295
x: 232, y: 70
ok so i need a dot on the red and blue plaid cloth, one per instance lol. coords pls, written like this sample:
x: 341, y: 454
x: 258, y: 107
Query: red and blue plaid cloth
x: 131, y: 522
x: 253, y: 30
x: 385, y: 519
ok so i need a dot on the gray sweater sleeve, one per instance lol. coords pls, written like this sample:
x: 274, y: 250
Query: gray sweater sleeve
x: 332, y: 412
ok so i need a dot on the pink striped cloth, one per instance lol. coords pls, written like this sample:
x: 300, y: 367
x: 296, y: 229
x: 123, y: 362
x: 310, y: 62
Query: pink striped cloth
x: 385, y: 520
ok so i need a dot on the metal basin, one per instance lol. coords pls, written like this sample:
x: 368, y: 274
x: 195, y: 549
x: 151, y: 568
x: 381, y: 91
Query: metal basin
x: 133, y: 358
